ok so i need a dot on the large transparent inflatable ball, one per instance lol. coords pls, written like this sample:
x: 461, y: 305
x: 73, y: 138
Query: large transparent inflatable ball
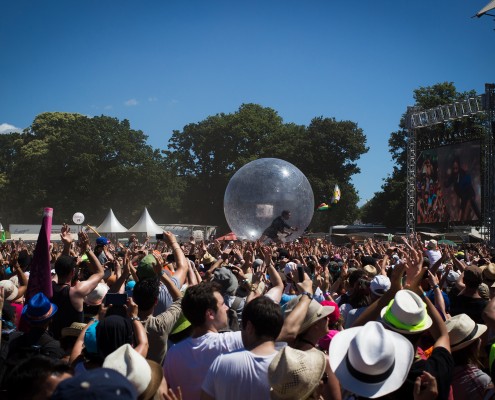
x: 263, y: 190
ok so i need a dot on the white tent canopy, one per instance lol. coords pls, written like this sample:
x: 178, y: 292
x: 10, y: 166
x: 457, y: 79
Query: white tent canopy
x: 111, y: 224
x: 146, y: 224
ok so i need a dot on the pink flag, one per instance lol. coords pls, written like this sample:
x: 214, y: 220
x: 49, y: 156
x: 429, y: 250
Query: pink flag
x: 40, y: 278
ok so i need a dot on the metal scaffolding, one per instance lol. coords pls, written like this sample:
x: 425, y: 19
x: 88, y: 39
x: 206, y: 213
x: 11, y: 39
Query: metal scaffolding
x: 417, y: 123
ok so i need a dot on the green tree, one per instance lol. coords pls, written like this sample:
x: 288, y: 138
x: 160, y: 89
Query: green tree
x: 388, y: 206
x: 326, y: 152
x: 208, y: 153
x: 75, y: 163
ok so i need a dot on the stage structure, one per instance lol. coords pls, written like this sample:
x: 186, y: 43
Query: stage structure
x: 433, y: 136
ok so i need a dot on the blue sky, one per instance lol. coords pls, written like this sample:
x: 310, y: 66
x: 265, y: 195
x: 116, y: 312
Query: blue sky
x: 164, y: 64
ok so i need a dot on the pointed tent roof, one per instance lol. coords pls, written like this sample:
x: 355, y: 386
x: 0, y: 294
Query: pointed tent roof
x: 146, y: 224
x: 111, y: 224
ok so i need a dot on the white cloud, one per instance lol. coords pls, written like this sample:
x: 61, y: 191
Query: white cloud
x: 173, y: 101
x: 152, y: 99
x: 7, y: 128
x: 131, y: 102
x: 108, y: 107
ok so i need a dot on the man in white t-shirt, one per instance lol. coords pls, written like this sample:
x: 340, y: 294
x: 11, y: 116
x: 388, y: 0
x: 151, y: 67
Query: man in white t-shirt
x: 432, y: 252
x: 187, y: 363
x: 244, y: 374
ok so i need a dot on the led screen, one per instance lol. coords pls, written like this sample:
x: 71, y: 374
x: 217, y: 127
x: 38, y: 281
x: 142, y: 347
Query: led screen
x: 448, y: 184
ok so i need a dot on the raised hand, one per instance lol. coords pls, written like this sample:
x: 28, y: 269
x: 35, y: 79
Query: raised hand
x: 65, y: 235
x: 83, y: 241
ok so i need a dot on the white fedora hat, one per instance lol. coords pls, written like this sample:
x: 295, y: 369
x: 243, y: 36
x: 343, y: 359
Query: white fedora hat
x: 369, y: 360
x: 406, y: 313
x: 463, y: 331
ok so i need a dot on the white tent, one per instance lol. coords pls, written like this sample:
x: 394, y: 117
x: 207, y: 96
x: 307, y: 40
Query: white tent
x: 146, y: 224
x: 111, y: 224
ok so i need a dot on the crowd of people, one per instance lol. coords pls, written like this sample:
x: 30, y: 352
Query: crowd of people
x: 400, y: 319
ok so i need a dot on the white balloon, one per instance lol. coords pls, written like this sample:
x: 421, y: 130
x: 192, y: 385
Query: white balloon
x: 78, y: 218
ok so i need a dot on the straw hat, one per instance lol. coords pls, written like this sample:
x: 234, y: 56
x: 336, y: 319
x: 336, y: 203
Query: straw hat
x: 406, y: 313
x: 315, y: 312
x: 295, y: 374
x: 463, y: 331
x: 145, y: 375
x: 432, y: 244
x: 10, y: 290
x: 488, y: 271
x: 369, y: 360
x: 370, y: 269
x: 95, y: 298
x: 73, y: 330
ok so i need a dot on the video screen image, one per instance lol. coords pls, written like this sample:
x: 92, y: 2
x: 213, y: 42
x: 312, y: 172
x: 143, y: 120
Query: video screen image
x: 448, y: 184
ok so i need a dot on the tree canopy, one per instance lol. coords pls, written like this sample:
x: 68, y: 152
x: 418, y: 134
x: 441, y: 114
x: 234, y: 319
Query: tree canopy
x: 77, y: 163
x: 72, y: 163
x: 209, y: 152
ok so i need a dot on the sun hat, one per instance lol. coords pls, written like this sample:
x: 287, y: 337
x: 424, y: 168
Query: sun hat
x: 315, y: 312
x: 370, y: 269
x: 145, y: 269
x: 290, y: 267
x: 324, y: 342
x: 380, y: 284
x: 38, y: 309
x: 406, y: 313
x: 369, y: 360
x: 181, y: 324
x: 208, y: 259
x: 227, y: 280
x: 95, y: 384
x: 10, y: 290
x: 484, y: 291
x: 295, y: 374
x: 452, y: 276
x: 432, y: 244
x: 488, y: 271
x: 335, y: 314
x: 73, y: 330
x: 463, y: 331
x: 95, y: 298
x: 145, y: 375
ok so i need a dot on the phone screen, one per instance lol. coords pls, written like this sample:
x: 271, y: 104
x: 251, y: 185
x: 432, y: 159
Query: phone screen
x: 115, y: 299
x: 300, y: 273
